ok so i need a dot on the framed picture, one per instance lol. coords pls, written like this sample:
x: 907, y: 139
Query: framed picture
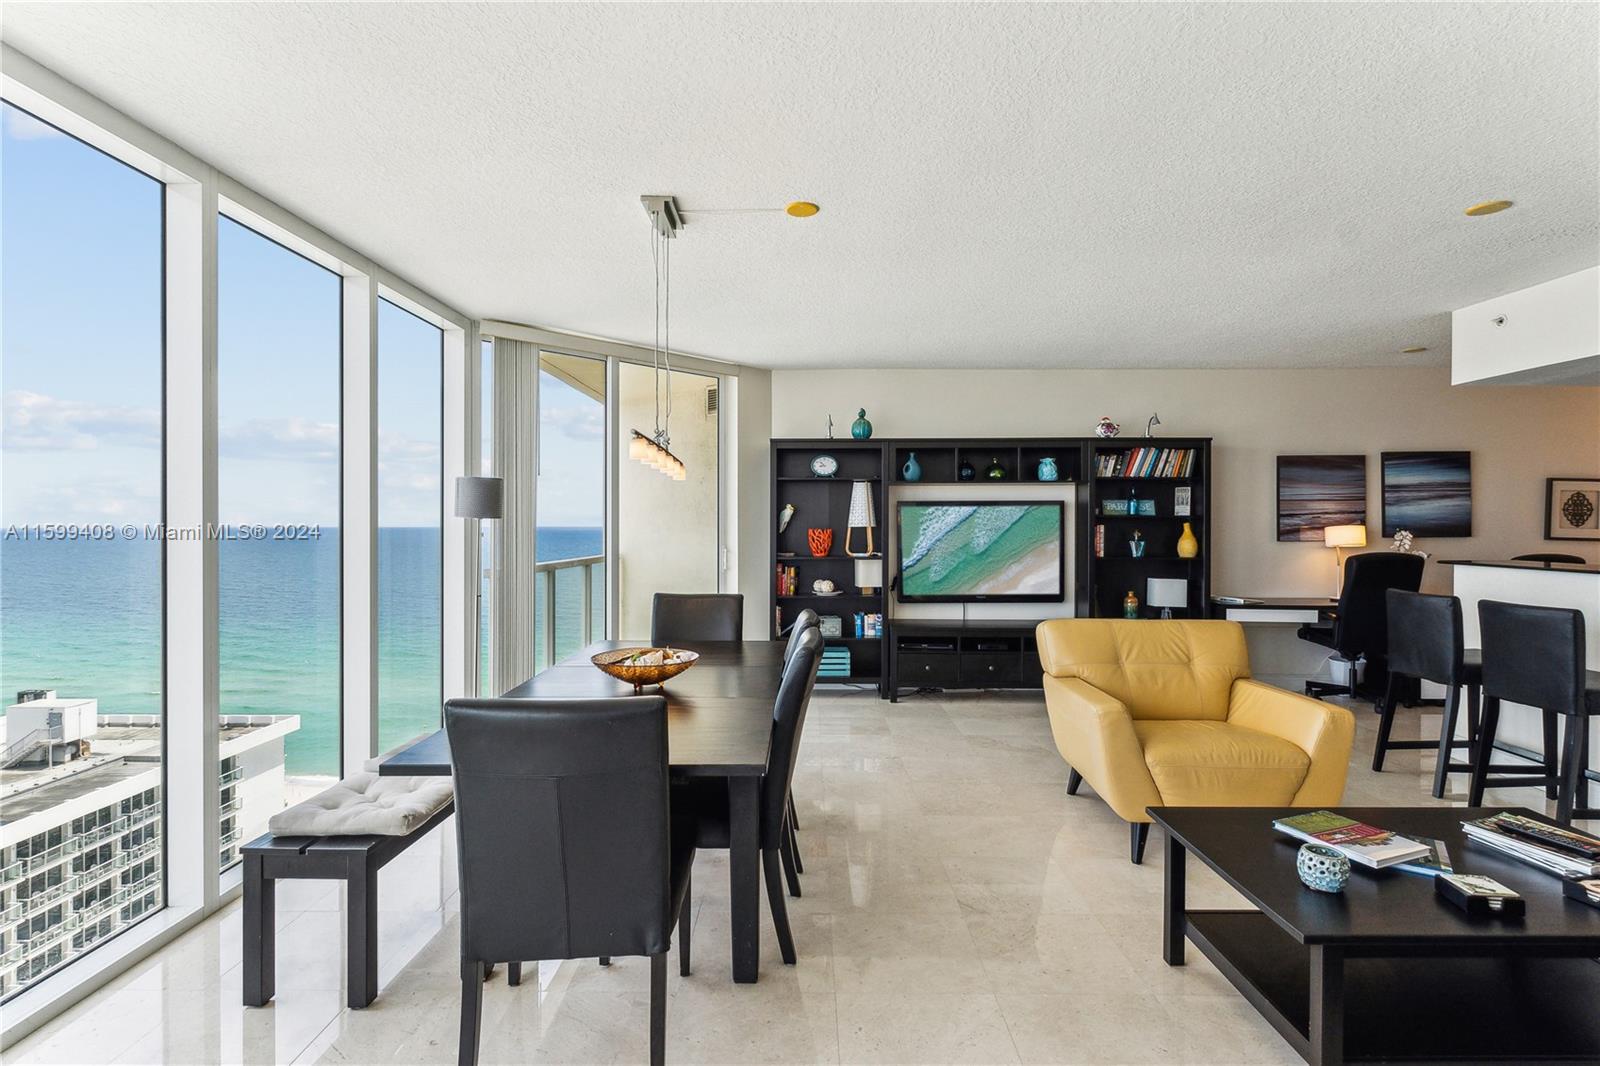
x: 1427, y: 493
x: 1317, y: 491
x: 1180, y: 501
x: 1572, y: 508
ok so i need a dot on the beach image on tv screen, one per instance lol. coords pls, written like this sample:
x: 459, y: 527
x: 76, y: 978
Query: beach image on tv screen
x: 980, y: 550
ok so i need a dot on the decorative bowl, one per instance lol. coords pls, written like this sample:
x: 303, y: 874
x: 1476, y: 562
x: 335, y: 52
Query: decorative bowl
x: 1322, y: 868
x: 620, y: 664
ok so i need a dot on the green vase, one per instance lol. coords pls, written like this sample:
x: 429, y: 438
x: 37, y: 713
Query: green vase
x: 996, y: 472
x: 861, y: 429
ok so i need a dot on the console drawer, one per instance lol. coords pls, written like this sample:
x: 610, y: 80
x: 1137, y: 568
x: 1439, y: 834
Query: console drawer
x: 991, y: 669
x: 924, y: 668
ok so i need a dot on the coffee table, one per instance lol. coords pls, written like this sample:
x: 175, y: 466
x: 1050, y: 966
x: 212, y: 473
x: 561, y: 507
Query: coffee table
x: 1387, y: 970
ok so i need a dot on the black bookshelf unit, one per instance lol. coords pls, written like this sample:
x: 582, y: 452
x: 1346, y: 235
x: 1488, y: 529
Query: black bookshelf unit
x: 824, y: 503
x: 987, y: 653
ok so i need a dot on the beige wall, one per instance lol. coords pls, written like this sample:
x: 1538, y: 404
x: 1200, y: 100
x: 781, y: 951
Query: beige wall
x: 1518, y: 436
x: 750, y: 496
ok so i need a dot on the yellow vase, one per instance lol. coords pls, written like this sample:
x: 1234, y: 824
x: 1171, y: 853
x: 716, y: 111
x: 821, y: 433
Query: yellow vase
x: 1188, y: 546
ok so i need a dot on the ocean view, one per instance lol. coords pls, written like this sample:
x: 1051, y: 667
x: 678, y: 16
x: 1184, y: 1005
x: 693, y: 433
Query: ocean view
x: 84, y: 618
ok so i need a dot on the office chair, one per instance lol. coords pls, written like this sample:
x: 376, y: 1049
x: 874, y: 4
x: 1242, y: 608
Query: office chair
x: 1361, y: 624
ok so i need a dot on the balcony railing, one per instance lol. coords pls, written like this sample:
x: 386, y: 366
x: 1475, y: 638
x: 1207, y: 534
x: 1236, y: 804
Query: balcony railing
x: 571, y: 606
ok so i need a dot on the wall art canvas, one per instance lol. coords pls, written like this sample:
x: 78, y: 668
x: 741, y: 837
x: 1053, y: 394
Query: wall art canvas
x: 1427, y: 493
x: 1316, y: 491
x: 1572, y: 508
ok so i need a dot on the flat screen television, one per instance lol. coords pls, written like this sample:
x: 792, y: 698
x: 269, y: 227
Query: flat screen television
x: 989, y: 552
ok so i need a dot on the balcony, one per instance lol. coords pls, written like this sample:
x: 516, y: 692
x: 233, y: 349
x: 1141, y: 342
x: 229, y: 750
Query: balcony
x: 570, y: 606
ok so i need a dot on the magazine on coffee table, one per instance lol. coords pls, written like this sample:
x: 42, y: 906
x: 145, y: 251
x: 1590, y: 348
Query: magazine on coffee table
x: 1356, y: 841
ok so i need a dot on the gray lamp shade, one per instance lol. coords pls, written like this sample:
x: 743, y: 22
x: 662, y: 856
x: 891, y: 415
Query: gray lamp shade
x: 480, y: 497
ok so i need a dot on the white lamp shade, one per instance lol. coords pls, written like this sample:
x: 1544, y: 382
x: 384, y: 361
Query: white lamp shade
x: 861, y: 512
x: 1345, y: 536
x: 480, y: 497
x: 1167, y: 592
x: 869, y: 573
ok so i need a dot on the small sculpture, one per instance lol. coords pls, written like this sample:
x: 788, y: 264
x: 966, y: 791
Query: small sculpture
x: 1136, y: 545
x: 830, y: 427
x: 1321, y: 868
x: 861, y: 429
x: 1150, y: 426
x: 1106, y: 428
x: 784, y: 516
x: 822, y: 586
x: 820, y: 541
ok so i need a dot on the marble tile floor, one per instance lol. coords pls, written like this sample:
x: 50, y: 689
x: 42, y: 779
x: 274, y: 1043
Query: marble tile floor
x: 959, y: 907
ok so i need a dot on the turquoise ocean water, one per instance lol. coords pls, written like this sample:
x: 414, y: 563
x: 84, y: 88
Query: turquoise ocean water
x: 84, y: 618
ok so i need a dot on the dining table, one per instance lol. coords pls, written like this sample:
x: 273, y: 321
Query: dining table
x: 719, y: 724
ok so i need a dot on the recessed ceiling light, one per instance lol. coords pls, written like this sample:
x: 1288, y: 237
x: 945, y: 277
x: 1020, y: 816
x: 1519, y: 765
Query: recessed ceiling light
x: 1414, y: 350
x: 1488, y: 207
x: 802, y: 209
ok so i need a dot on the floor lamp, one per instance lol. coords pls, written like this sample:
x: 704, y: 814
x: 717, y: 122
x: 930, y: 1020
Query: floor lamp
x: 478, y: 498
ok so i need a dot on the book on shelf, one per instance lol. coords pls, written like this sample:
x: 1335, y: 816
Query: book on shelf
x: 1146, y: 461
x: 1553, y: 848
x: 1356, y: 841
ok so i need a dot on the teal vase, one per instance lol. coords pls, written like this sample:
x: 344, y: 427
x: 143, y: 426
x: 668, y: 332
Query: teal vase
x: 1047, y: 469
x: 912, y: 471
x: 861, y: 429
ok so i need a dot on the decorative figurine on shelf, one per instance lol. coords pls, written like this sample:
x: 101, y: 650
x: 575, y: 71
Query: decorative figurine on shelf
x: 965, y: 472
x: 784, y: 517
x: 1403, y: 543
x: 1047, y: 469
x: 1106, y: 428
x: 820, y: 541
x: 861, y: 429
x: 996, y: 472
x: 912, y: 471
x: 1136, y: 545
x: 822, y: 587
x: 1130, y: 605
x: 1150, y: 426
x: 830, y: 427
x: 1321, y: 868
x: 1188, y: 545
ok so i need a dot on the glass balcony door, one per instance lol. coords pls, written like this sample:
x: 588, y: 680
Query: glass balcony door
x: 571, y: 506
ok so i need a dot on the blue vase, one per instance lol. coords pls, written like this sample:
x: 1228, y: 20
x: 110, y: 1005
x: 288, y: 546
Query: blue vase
x: 861, y: 429
x: 1047, y: 469
x: 912, y: 471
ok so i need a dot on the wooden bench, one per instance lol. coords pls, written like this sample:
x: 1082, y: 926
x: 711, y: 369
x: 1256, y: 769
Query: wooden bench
x: 354, y: 860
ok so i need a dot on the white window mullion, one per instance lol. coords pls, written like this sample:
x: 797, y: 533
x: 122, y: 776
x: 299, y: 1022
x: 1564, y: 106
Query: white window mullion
x: 460, y: 557
x: 358, y: 534
x: 192, y: 701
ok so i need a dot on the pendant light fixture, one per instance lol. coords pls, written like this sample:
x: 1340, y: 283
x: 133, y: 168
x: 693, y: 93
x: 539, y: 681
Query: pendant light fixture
x: 655, y: 449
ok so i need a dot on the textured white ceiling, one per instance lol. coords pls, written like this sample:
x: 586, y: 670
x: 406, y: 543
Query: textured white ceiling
x: 1028, y: 185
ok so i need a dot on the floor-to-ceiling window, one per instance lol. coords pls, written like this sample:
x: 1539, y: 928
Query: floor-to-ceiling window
x: 278, y: 360
x: 571, y: 504
x: 80, y: 579
x: 668, y: 532
x: 410, y: 516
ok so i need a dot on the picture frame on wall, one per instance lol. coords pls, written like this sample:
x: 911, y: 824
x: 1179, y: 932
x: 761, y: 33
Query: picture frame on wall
x: 1572, y: 508
x: 1318, y: 491
x: 1428, y: 494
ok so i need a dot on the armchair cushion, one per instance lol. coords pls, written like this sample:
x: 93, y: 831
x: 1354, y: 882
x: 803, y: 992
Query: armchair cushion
x: 1177, y: 669
x: 1204, y: 763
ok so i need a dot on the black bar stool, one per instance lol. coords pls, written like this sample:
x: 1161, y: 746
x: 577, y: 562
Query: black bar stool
x: 1425, y: 644
x: 1535, y: 656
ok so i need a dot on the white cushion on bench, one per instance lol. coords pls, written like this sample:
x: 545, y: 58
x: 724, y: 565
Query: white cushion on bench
x: 365, y: 804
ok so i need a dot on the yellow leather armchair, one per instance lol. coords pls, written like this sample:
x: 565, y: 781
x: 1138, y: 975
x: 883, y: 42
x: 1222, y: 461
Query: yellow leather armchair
x: 1164, y: 713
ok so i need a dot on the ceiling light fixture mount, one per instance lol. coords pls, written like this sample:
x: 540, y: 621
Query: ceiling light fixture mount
x: 795, y: 209
x: 655, y: 450
x: 1488, y: 207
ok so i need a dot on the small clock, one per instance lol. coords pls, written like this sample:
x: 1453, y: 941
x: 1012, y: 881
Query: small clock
x: 824, y: 466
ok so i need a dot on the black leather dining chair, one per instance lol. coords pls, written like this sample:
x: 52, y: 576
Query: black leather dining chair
x: 700, y: 805
x: 793, y: 865
x: 563, y: 835
x: 1426, y: 644
x: 682, y: 617
x: 1535, y: 656
x: 803, y: 621
x: 1361, y: 624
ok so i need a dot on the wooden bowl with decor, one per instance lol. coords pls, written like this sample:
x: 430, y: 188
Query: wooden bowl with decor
x: 645, y: 666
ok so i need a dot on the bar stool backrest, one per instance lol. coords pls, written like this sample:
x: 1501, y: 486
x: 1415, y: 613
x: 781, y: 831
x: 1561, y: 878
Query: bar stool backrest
x: 1425, y: 638
x: 1533, y: 655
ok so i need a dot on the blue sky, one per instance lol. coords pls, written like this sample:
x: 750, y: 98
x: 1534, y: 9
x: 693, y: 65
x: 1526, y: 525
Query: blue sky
x: 80, y: 364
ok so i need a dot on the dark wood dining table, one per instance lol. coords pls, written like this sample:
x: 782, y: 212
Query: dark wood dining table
x: 719, y: 724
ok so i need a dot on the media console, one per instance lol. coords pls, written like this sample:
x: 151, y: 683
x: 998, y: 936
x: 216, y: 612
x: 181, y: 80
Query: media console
x: 963, y: 655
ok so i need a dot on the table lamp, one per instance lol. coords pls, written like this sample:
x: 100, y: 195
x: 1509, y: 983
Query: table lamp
x: 869, y: 575
x: 862, y: 516
x: 1167, y: 593
x: 1339, y: 538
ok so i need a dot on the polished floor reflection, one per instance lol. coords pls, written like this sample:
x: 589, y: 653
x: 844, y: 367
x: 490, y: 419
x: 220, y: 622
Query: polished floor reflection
x: 959, y: 907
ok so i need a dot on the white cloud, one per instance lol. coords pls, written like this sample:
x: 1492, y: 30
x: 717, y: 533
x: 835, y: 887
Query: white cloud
x: 35, y: 422
x: 280, y: 438
x: 583, y: 423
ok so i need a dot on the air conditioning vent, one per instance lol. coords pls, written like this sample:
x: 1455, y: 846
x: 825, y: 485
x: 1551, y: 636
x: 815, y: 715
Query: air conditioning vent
x: 711, y: 400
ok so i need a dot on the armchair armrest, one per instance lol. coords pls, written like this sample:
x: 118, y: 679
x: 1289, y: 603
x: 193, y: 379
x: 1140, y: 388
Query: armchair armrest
x: 1094, y: 733
x: 1324, y: 731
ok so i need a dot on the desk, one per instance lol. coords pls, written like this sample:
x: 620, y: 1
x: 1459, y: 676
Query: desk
x: 719, y: 724
x: 1284, y: 610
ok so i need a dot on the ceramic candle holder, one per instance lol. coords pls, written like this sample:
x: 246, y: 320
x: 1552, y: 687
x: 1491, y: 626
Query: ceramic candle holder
x: 1322, y: 868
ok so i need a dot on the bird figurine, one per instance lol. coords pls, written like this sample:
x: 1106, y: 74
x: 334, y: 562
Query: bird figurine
x: 784, y: 516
